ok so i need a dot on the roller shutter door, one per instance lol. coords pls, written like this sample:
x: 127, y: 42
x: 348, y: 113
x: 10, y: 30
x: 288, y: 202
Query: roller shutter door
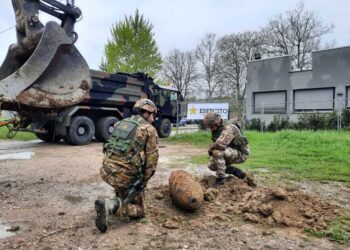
x: 271, y: 102
x: 313, y: 99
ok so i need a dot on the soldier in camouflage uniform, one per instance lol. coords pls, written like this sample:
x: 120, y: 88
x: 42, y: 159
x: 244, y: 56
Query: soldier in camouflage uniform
x: 130, y: 160
x: 229, y: 146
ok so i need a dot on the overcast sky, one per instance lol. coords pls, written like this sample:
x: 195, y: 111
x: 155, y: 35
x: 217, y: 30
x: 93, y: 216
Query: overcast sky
x: 180, y: 24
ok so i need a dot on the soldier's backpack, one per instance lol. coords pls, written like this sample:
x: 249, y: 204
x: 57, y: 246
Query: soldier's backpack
x: 122, y: 141
x: 124, y: 145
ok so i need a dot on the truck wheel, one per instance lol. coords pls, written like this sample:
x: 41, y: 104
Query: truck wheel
x: 81, y: 131
x: 104, y: 128
x: 164, y: 128
x: 50, y: 136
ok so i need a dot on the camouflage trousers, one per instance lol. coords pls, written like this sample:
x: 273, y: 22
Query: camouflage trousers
x: 114, y: 175
x: 220, y: 159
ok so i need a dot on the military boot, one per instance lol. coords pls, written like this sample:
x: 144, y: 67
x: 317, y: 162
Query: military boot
x: 104, y: 209
x: 235, y: 171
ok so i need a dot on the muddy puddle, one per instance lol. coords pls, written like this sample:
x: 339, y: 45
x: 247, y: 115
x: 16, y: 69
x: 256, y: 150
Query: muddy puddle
x: 7, y: 145
x: 8, y: 230
x: 17, y: 156
x: 4, y: 233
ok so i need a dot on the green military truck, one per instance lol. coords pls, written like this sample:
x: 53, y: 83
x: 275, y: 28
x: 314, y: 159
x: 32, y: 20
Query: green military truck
x: 110, y: 98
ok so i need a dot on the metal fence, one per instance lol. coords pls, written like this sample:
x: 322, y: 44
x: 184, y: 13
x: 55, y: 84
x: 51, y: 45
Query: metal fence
x: 295, y: 109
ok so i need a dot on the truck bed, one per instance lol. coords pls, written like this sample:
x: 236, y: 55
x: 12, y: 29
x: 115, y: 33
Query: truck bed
x: 120, y: 89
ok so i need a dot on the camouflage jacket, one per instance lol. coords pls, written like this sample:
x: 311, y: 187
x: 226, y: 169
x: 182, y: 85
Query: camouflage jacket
x: 229, y: 135
x: 138, y: 154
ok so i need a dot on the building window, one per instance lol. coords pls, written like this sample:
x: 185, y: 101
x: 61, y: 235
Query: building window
x: 318, y: 99
x: 348, y: 97
x: 270, y: 102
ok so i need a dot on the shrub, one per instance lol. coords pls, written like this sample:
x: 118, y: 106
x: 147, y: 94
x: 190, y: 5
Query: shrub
x: 285, y: 123
x: 314, y: 121
x: 332, y: 120
x: 346, y: 118
x: 255, y: 124
x: 279, y: 122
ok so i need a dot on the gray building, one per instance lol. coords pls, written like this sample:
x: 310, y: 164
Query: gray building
x: 273, y: 88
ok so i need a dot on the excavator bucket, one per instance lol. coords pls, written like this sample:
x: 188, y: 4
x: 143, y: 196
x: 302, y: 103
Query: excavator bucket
x: 55, y: 75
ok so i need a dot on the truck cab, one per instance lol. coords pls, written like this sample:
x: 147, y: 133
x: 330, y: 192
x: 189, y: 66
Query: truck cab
x: 167, y: 100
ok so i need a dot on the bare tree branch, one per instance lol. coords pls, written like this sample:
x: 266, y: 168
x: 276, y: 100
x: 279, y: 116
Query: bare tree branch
x: 298, y: 32
x: 208, y: 58
x: 235, y: 51
x: 180, y: 68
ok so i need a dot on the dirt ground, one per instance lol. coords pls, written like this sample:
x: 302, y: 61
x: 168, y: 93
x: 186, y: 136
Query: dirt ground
x: 47, y: 202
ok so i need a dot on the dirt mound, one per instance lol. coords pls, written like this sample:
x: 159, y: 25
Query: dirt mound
x: 273, y: 206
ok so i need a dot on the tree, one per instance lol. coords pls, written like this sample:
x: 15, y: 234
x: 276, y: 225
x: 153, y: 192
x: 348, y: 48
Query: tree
x: 208, y: 57
x: 235, y: 51
x: 132, y: 47
x: 180, y: 68
x: 296, y: 33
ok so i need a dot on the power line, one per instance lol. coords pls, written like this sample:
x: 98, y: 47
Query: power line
x: 9, y: 28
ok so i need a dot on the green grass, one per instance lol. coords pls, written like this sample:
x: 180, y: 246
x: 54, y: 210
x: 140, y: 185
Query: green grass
x: 200, y: 138
x: 19, y: 136
x: 199, y: 159
x: 321, y: 155
x: 339, y: 231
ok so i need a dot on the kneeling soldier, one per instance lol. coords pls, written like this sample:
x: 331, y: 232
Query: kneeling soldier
x: 130, y: 160
x: 230, y: 146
